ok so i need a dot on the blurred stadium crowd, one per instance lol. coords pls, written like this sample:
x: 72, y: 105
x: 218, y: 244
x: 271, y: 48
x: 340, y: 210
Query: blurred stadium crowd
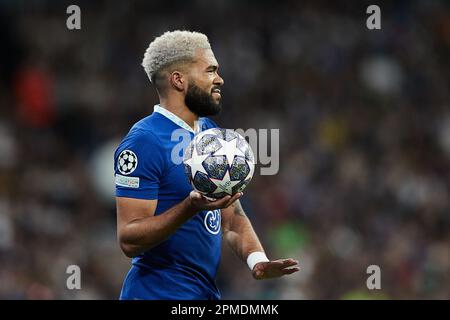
x: 364, y: 119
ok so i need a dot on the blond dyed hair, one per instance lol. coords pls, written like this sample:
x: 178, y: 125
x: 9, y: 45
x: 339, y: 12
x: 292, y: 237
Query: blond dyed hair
x: 170, y: 48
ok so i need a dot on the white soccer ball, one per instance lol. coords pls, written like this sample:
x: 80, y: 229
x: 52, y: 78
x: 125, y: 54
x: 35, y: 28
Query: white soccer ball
x: 219, y: 162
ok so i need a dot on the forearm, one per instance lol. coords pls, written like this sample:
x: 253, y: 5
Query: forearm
x: 239, y: 232
x: 242, y: 238
x: 142, y: 234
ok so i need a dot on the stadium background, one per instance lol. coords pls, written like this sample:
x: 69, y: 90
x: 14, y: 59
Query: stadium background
x: 364, y: 121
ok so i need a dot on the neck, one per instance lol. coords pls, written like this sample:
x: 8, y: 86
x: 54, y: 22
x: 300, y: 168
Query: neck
x: 179, y: 109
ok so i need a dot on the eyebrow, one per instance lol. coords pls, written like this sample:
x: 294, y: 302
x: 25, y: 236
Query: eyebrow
x: 213, y: 67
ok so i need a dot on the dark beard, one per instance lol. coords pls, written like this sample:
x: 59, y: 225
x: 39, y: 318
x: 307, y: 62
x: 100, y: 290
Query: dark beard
x: 200, y: 102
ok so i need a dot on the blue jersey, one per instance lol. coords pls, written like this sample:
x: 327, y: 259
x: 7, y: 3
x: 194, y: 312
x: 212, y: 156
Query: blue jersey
x: 148, y: 166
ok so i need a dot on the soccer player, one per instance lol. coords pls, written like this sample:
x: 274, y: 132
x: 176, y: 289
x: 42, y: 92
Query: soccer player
x: 161, y: 221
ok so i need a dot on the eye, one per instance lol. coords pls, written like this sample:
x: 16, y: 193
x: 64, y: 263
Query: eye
x: 212, y: 69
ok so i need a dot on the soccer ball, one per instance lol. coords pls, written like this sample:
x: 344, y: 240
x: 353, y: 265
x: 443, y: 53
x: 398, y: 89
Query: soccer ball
x: 219, y: 162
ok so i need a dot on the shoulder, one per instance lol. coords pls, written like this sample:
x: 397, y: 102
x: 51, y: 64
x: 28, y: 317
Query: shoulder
x: 141, y: 139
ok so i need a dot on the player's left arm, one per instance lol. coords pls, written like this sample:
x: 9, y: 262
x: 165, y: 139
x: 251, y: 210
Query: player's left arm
x: 241, y: 237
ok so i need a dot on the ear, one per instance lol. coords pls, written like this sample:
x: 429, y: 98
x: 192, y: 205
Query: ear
x: 178, y: 80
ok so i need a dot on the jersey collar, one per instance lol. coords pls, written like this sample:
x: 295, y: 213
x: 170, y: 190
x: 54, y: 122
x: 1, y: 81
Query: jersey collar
x: 175, y: 119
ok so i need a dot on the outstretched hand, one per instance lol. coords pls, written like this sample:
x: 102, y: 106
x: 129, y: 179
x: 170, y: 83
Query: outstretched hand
x: 274, y: 269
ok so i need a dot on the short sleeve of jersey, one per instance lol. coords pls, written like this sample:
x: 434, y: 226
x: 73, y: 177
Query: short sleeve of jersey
x: 139, y: 165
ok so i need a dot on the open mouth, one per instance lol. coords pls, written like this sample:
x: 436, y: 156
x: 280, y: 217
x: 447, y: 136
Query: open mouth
x: 216, y: 92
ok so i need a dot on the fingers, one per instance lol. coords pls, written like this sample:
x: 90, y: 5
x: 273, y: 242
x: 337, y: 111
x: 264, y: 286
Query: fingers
x: 220, y: 203
x: 261, y: 274
x: 273, y: 269
x: 225, y: 201
x: 195, y: 195
x: 290, y: 270
x: 282, y: 263
x: 289, y: 263
x: 234, y: 198
x: 203, y: 203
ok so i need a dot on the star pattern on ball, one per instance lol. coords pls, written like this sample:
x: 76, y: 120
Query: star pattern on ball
x: 196, y: 162
x: 225, y: 184
x: 219, y: 155
x: 229, y: 149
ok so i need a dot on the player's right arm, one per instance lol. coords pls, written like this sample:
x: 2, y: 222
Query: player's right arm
x: 140, y: 165
x: 138, y: 229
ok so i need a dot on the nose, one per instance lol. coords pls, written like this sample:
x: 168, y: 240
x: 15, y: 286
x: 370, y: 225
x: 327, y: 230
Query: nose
x: 218, y: 80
